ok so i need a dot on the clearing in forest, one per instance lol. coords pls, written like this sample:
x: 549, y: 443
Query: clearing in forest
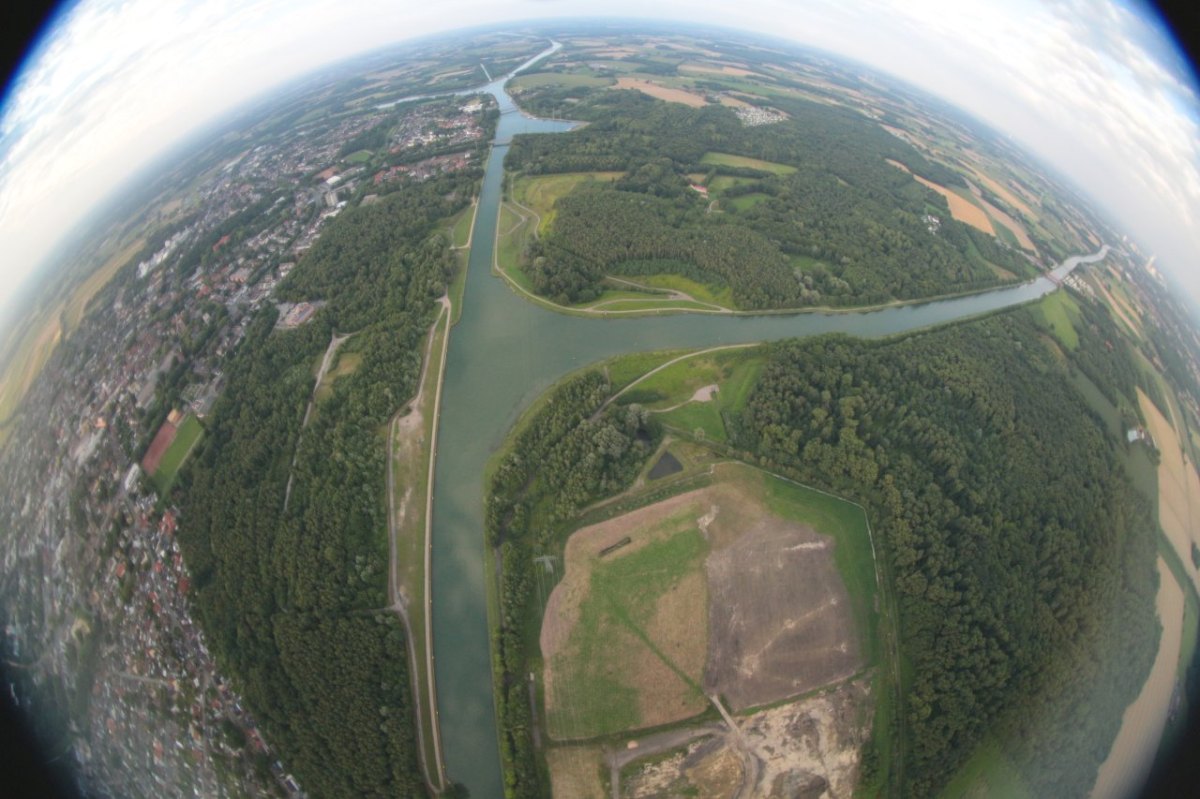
x: 742, y: 161
x: 752, y: 588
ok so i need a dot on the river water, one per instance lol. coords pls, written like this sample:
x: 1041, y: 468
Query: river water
x: 503, y: 353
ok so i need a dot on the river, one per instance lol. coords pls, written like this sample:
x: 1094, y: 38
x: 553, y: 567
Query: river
x: 503, y: 353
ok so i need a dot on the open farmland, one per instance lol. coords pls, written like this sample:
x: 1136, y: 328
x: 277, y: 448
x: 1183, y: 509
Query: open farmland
x: 662, y: 92
x: 961, y: 208
x: 1178, y: 488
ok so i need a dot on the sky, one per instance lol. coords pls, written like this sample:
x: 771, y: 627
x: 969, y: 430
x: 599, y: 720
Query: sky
x: 1090, y: 86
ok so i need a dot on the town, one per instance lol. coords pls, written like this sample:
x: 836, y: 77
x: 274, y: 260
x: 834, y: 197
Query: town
x: 100, y: 634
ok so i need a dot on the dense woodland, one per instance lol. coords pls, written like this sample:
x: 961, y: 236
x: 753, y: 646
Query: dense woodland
x: 846, y: 228
x: 566, y: 457
x: 1015, y: 543
x: 293, y: 600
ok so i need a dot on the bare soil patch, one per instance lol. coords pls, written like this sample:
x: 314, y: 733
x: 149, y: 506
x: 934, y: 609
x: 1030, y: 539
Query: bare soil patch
x: 806, y: 749
x: 780, y: 614
x: 810, y: 748
x: 662, y: 92
x: 718, y: 69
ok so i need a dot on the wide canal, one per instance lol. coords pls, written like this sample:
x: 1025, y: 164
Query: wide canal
x: 503, y: 353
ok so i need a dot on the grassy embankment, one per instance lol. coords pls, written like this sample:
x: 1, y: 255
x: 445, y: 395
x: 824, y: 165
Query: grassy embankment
x: 412, y: 462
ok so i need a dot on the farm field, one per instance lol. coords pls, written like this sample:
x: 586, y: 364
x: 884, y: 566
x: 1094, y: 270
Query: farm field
x: 537, y: 80
x: 662, y: 92
x: 961, y: 208
x: 1142, y: 725
x: 1178, y: 488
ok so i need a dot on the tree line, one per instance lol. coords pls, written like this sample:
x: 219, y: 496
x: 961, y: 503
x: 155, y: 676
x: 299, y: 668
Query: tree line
x: 293, y: 599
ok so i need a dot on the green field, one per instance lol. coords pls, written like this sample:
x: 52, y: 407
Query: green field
x: 599, y: 695
x: 360, y: 157
x: 460, y: 227
x: 734, y: 372
x: 1060, y: 313
x: 185, y: 439
x: 720, y: 183
x: 540, y: 193
x: 744, y: 162
x: 538, y: 80
x: 612, y: 627
x: 747, y: 201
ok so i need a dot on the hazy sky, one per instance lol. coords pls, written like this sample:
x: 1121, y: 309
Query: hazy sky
x: 1088, y: 85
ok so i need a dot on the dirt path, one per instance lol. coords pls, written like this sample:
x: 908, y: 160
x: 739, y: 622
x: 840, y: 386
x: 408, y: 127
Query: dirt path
x: 671, y: 362
x: 409, y: 425
x: 471, y: 232
x: 652, y: 745
x: 330, y: 351
x: 702, y: 394
x: 1128, y: 763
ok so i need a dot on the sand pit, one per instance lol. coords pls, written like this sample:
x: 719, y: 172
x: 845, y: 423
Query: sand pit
x: 1178, y: 488
x: 662, y: 92
x: 806, y: 749
x: 960, y: 208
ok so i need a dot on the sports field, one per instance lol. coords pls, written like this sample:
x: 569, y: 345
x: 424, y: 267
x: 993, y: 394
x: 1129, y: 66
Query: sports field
x: 186, y: 437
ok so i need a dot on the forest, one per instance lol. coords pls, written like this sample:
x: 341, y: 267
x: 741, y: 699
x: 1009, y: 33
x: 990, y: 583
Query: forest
x: 1014, y: 541
x: 568, y: 455
x: 292, y: 592
x: 841, y: 227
